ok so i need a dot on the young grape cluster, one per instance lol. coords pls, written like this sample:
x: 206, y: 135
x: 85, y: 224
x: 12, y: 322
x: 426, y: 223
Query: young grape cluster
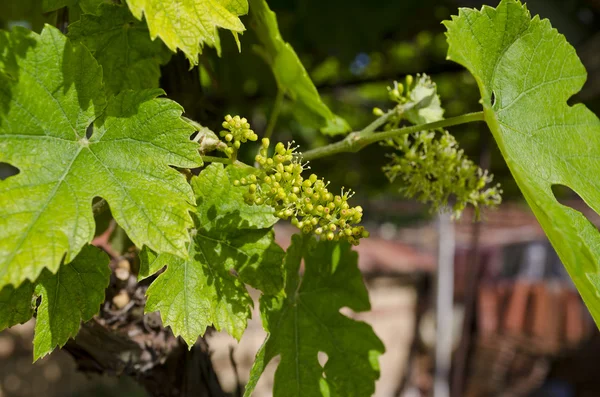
x: 237, y: 131
x: 307, y: 202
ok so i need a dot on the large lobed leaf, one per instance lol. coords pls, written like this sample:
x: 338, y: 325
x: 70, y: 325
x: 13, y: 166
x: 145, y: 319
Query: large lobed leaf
x: 190, y: 24
x: 304, y: 320
x: 232, y: 245
x: 526, y: 72
x: 50, y: 93
x: 290, y: 74
x: 122, y: 46
x: 70, y: 296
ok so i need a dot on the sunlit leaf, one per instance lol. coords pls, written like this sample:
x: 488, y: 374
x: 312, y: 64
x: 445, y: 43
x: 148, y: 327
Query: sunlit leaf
x: 526, y: 72
x: 188, y: 25
x: 50, y: 93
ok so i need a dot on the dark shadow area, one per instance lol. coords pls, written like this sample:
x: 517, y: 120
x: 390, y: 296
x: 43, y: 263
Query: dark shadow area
x: 7, y: 170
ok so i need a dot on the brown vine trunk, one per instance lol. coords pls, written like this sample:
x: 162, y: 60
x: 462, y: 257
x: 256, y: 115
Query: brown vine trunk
x: 123, y: 341
x: 170, y: 370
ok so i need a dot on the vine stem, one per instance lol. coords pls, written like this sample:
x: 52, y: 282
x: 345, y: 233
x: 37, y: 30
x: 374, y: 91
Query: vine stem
x: 275, y: 113
x: 357, y: 140
x: 225, y: 160
x: 214, y: 159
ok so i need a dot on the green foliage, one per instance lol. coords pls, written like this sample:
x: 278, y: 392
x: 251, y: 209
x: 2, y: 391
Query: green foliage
x: 190, y: 24
x: 51, y: 93
x: 526, y: 72
x: 304, y: 320
x: 289, y: 73
x: 418, y: 103
x: 72, y: 295
x: 231, y: 245
x: 81, y: 120
x: 122, y: 46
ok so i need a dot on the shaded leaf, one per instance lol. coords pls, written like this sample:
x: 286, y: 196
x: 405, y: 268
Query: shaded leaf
x: 305, y: 320
x: 526, y: 72
x: 122, y: 46
x: 232, y: 245
x: 50, y: 93
x: 70, y: 296
x: 15, y: 304
x: 290, y: 74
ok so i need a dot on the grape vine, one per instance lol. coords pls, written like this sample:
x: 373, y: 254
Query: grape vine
x: 82, y: 117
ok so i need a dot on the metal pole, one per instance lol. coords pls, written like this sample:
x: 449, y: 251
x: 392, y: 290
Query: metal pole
x: 444, y: 305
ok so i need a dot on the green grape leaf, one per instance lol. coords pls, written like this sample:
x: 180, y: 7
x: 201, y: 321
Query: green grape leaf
x: 190, y: 24
x: 70, y: 296
x: 526, y: 72
x: 424, y: 104
x: 290, y: 74
x: 304, y: 320
x: 15, y: 304
x: 232, y: 245
x: 122, y: 46
x: 50, y: 93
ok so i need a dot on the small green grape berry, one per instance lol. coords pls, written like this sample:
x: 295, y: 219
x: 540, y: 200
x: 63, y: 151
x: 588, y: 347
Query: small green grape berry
x: 377, y: 112
x: 332, y: 227
x: 330, y: 236
x: 265, y: 142
x: 312, y: 178
x: 236, y: 183
x: 236, y: 144
x: 318, y: 231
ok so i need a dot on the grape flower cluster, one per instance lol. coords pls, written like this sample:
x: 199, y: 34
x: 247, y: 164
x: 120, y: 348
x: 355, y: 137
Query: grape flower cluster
x: 237, y: 131
x: 307, y: 202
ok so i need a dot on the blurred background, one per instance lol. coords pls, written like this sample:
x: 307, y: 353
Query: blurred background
x: 518, y: 326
